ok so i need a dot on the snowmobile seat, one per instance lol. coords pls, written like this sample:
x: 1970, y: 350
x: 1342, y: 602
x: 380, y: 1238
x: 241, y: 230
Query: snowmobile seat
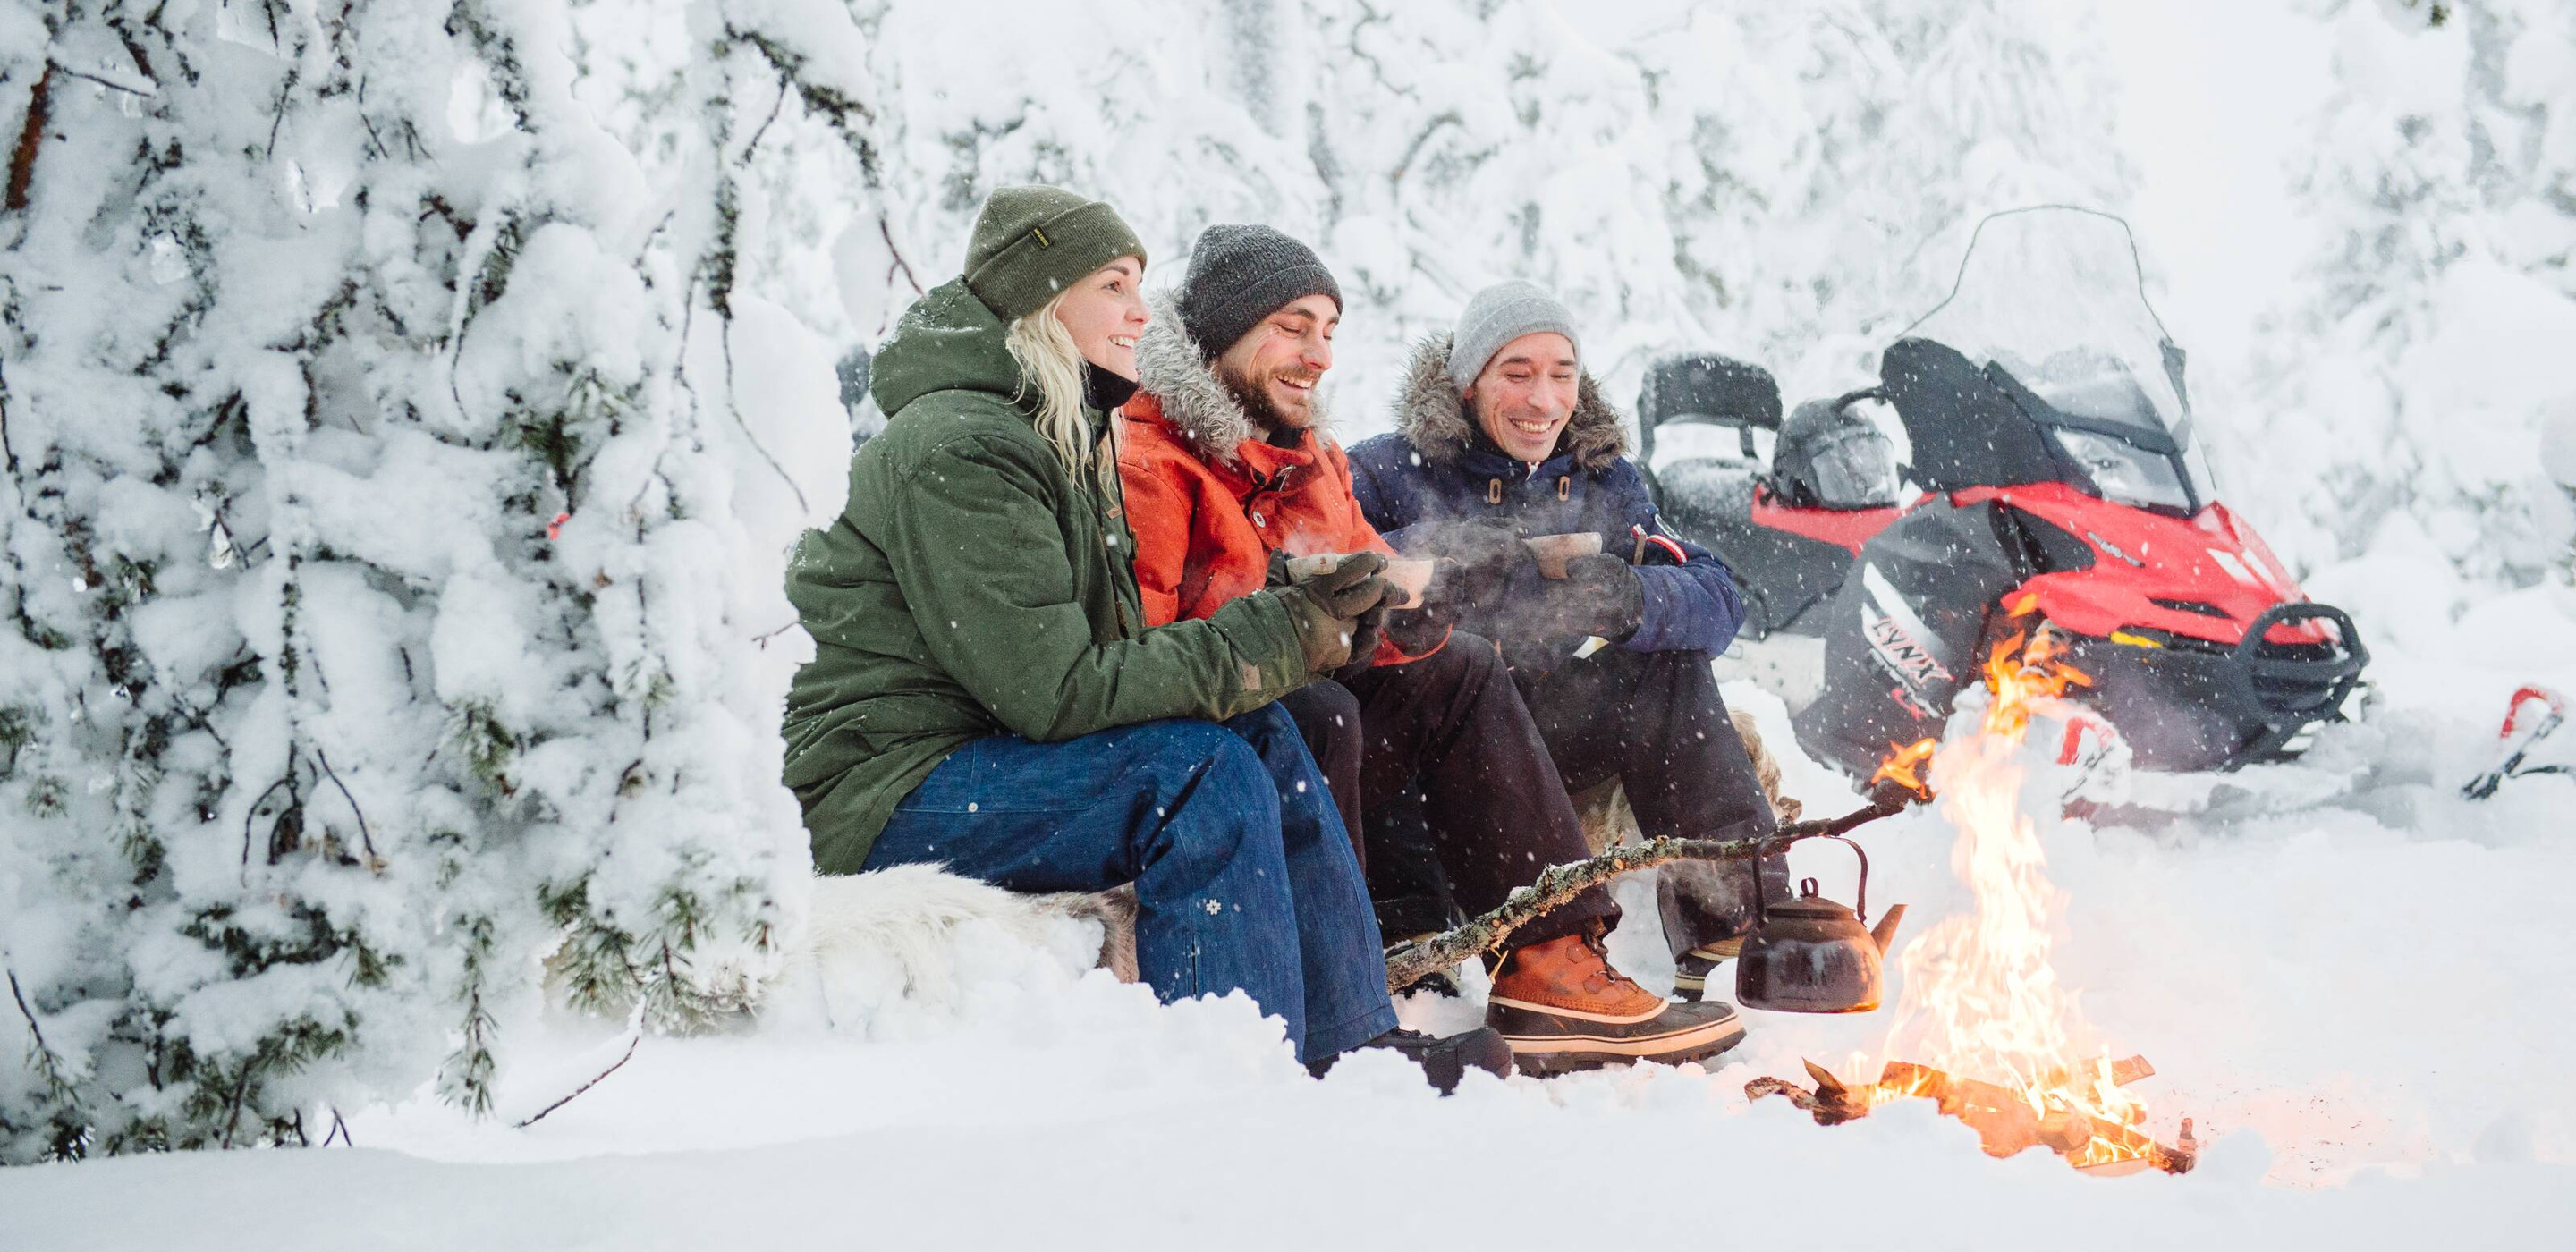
x: 1705, y: 387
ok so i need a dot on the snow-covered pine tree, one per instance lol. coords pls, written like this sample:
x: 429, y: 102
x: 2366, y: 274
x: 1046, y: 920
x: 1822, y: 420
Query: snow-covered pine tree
x: 1827, y: 181
x: 384, y: 543
x: 2444, y: 173
x: 1465, y: 151
x: 1778, y: 182
x: 1141, y: 103
x: 1762, y: 179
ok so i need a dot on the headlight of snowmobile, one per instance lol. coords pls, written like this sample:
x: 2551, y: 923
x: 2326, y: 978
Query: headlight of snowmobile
x: 2122, y: 471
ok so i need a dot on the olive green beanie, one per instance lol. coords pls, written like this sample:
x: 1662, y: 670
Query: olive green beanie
x: 1032, y: 242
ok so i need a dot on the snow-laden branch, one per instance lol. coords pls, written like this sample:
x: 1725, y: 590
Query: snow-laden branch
x: 131, y: 84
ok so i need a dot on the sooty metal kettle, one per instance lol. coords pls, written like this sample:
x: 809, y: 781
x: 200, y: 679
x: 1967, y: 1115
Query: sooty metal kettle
x: 1811, y: 955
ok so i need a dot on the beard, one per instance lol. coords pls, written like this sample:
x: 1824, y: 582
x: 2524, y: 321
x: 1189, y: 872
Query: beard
x: 1254, y: 395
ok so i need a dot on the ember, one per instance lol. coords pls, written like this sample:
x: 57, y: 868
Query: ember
x: 2002, y: 1042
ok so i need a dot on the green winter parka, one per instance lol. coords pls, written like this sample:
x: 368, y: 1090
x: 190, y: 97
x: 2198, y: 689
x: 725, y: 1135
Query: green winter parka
x: 972, y: 587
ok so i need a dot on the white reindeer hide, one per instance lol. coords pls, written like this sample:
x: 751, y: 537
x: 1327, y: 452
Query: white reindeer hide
x: 917, y: 934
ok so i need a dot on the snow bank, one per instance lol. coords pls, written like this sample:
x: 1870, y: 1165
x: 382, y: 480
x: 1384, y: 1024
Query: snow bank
x: 2351, y: 999
x: 1343, y: 1163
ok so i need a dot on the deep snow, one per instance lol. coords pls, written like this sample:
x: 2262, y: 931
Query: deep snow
x: 2359, y: 1002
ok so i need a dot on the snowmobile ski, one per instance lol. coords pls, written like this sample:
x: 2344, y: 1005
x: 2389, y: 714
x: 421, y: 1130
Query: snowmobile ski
x: 2534, y: 714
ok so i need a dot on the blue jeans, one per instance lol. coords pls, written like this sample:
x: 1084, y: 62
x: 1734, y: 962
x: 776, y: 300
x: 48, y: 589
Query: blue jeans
x: 1244, y: 876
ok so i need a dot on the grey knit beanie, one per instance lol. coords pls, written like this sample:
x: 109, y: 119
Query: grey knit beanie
x: 1498, y: 315
x: 1241, y: 274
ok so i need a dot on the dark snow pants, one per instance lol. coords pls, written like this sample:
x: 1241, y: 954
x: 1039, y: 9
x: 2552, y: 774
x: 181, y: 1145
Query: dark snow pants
x: 1655, y: 721
x: 1244, y: 876
x: 1492, y: 811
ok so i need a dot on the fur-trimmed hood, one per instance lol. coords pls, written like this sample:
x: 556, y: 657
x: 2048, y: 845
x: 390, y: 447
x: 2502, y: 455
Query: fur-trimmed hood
x: 1197, y: 404
x: 1434, y: 419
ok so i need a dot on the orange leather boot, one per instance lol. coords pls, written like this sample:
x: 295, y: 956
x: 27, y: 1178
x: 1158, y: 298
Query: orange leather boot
x: 1574, y: 978
x: 1562, y: 1006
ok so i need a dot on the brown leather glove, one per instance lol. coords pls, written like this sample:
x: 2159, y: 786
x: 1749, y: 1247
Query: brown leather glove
x: 1327, y: 607
x: 1363, y: 640
x: 1370, y: 628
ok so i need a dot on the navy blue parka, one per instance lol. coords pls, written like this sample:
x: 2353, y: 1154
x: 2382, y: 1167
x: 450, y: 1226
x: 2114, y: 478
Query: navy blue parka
x: 1437, y: 465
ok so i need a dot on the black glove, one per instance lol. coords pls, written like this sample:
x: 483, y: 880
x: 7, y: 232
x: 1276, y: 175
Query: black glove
x: 1417, y: 631
x: 1327, y: 607
x: 1475, y: 560
x: 1599, y: 595
x: 1605, y: 596
x: 1534, y: 654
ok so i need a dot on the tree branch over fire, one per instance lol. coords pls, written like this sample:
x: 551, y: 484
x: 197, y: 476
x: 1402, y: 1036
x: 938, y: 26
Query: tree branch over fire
x: 1409, y: 963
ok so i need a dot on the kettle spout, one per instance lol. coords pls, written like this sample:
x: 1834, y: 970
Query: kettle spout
x: 1884, y: 933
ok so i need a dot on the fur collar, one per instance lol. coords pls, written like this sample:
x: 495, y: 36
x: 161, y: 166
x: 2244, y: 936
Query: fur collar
x: 1168, y: 367
x: 1434, y: 419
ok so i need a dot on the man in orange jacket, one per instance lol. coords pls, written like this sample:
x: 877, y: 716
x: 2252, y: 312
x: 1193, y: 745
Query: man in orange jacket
x: 1227, y: 470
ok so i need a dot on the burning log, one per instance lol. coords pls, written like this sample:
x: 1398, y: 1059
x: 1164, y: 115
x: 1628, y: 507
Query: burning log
x: 1826, y: 1110
x: 2007, y: 1121
x: 1831, y: 1103
x: 2125, y: 1072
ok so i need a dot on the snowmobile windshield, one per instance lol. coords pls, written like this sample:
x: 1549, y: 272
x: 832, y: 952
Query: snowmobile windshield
x: 2052, y: 297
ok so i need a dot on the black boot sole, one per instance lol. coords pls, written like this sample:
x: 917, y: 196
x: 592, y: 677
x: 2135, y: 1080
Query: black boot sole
x: 1544, y: 1043
x: 1445, y: 1062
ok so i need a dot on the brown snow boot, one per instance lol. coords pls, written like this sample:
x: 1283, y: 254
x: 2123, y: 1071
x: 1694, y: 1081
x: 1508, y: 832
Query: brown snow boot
x: 1562, y: 1007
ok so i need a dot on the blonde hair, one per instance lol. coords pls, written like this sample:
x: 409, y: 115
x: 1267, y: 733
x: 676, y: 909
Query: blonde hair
x: 1050, y: 362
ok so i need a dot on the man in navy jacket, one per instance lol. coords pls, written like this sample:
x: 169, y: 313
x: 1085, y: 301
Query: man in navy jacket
x: 1501, y: 436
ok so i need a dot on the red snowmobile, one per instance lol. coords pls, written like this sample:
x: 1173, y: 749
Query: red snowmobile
x: 2051, y: 483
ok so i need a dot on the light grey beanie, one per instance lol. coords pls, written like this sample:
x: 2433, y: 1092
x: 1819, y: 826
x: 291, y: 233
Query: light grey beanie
x: 1498, y: 315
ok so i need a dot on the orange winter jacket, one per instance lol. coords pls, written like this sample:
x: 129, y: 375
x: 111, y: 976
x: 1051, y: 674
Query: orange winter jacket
x: 1208, y: 502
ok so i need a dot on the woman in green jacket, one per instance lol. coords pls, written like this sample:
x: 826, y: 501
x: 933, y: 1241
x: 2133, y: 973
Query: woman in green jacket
x: 984, y: 693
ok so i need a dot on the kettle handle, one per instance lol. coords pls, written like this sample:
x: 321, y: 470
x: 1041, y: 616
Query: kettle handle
x: 1860, y: 900
x: 1860, y: 903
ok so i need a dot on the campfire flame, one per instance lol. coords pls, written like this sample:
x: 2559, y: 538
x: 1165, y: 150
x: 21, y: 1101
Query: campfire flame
x: 1904, y: 766
x: 1981, y: 996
